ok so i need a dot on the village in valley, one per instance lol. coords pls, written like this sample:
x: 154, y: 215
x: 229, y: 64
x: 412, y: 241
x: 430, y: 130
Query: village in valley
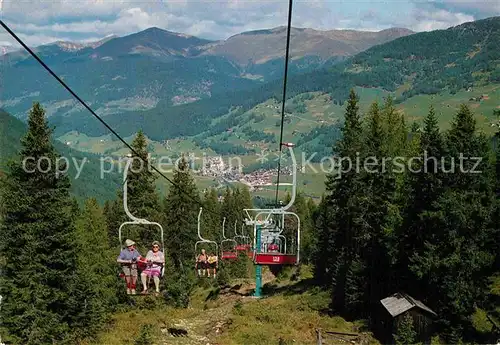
x: 230, y: 173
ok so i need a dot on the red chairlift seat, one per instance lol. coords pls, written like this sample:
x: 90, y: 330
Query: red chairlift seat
x: 247, y: 248
x: 241, y: 247
x: 142, y: 263
x: 275, y: 259
x: 229, y: 255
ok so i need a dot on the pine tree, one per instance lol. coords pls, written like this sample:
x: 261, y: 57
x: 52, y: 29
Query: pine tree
x: 425, y: 187
x: 355, y: 287
x: 458, y: 257
x: 143, y: 199
x: 38, y: 244
x: 309, y: 240
x: 96, y: 268
x: 243, y: 201
x: 323, y: 273
x: 182, y: 217
x: 211, y: 222
x: 229, y: 209
x: 342, y: 211
x: 376, y: 139
x: 114, y: 215
x: 2, y: 205
x: 392, y: 123
x: 496, y: 215
x: 380, y: 205
x: 301, y: 207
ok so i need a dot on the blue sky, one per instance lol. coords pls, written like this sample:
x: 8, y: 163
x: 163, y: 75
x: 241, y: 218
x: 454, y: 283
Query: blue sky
x: 43, y: 21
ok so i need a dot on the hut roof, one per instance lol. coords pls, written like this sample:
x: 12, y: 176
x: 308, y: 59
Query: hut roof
x: 399, y: 303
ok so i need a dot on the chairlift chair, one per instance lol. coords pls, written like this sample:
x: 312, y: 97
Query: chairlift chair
x: 142, y: 264
x: 247, y: 244
x: 202, y: 240
x: 228, y: 252
x: 243, y: 245
x: 285, y: 256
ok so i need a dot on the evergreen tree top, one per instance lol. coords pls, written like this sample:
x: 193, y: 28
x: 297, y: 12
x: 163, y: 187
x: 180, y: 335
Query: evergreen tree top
x: 352, y: 119
x: 464, y: 123
x: 139, y: 144
x: 37, y: 141
x: 376, y: 135
x: 431, y: 139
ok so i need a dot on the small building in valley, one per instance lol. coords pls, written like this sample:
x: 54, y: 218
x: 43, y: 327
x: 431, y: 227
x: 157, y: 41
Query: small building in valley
x: 393, y: 311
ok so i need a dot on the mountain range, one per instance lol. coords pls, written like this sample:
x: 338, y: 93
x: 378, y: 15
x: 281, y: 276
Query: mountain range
x: 135, y: 72
x: 442, y: 62
x: 224, y: 97
x: 179, y: 86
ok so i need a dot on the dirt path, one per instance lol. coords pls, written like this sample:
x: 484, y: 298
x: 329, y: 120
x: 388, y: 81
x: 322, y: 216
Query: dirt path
x: 206, y: 325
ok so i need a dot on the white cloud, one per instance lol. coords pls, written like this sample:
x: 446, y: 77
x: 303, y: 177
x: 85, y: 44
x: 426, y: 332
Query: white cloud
x: 44, y: 20
x: 31, y: 40
x: 439, y: 19
x: 41, y: 10
x: 484, y: 7
x: 209, y: 19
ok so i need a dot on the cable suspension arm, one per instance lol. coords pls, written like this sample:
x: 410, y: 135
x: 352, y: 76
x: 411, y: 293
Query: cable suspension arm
x: 287, y: 55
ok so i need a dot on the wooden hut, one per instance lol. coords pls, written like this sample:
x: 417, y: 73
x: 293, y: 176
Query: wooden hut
x: 394, y: 309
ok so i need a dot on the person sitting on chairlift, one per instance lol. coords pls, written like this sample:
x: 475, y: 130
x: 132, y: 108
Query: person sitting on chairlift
x: 213, y: 263
x: 128, y: 258
x: 201, y: 263
x: 155, y: 261
x: 273, y: 247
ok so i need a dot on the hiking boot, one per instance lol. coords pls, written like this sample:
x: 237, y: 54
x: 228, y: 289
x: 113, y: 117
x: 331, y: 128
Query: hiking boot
x: 128, y: 292
x: 133, y: 292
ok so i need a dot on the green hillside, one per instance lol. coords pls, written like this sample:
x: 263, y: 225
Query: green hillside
x: 312, y: 122
x: 154, y: 67
x: 11, y: 129
x: 245, y: 122
x: 87, y: 184
x: 467, y: 59
x: 289, y: 315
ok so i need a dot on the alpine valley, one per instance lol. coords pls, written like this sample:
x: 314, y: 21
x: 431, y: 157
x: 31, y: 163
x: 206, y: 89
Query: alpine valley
x: 190, y: 94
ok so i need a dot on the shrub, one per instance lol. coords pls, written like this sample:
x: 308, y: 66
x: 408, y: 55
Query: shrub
x: 178, y: 290
x: 145, y: 336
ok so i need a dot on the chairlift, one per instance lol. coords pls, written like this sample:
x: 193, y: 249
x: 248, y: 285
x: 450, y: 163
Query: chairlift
x: 264, y: 219
x: 202, y: 240
x: 247, y: 242
x: 228, y: 252
x: 281, y: 256
x: 141, y: 263
x: 243, y: 244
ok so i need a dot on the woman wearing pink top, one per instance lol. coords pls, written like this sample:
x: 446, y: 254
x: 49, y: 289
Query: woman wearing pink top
x: 155, y: 261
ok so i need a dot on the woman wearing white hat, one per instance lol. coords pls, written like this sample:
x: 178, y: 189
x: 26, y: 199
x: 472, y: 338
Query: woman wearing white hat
x: 128, y: 258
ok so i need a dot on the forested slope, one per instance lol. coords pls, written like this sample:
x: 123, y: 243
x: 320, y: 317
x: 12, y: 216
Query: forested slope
x: 84, y: 185
x: 11, y: 130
